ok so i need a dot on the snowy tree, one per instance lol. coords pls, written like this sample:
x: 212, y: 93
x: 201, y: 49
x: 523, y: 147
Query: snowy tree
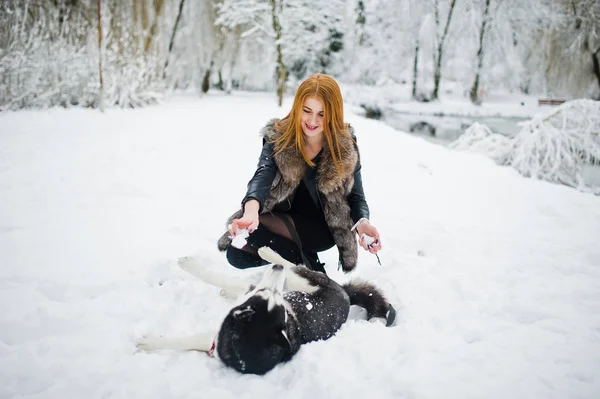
x: 258, y: 17
x: 475, y: 88
x: 424, y: 40
x: 555, y: 147
x: 101, y: 81
x: 359, y: 20
x: 441, y: 41
x: 305, y: 41
x: 315, y: 39
x: 580, y: 37
x: 555, y: 42
x: 173, y: 33
x: 377, y: 49
x: 50, y: 51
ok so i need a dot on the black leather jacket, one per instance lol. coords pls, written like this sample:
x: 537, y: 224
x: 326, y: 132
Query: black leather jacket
x: 260, y: 185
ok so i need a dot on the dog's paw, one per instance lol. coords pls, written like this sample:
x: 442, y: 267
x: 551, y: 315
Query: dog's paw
x: 268, y: 254
x: 228, y: 294
x: 143, y: 343
x: 148, y: 343
x: 187, y: 263
x: 381, y: 320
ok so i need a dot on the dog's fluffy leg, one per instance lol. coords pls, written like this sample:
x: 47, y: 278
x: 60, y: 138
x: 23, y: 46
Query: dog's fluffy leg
x: 199, y: 342
x: 294, y: 279
x: 232, y: 287
x: 273, y: 257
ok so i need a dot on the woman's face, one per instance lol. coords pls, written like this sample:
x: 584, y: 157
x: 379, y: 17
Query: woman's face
x: 312, y: 117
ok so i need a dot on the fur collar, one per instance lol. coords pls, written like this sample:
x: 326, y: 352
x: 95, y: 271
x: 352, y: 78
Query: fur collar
x: 292, y: 166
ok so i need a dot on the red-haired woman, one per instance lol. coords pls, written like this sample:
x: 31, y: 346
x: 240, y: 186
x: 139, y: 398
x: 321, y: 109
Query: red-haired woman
x: 306, y: 194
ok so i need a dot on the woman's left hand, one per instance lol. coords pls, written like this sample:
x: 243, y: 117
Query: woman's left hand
x: 367, y: 228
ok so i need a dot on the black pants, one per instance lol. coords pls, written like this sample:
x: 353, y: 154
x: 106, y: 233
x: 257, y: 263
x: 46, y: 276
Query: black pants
x: 314, y: 237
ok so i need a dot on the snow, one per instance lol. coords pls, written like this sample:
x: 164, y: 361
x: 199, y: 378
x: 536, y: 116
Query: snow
x: 495, y: 277
x: 240, y: 238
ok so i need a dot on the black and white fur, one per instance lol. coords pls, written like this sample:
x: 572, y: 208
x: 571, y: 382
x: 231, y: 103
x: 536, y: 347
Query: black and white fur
x: 290, y: 306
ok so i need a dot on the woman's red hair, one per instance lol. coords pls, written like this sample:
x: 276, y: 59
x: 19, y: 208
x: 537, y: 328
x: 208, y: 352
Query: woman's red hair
x: 326, y: 90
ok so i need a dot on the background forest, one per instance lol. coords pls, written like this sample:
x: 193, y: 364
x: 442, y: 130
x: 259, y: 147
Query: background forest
x: 57, y: 53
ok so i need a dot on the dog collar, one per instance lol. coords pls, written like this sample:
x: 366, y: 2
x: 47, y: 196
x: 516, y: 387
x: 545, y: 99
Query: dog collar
x: 211, y: 351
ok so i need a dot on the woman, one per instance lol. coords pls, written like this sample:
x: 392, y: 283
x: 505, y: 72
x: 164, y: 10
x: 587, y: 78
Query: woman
x: 306, y: 194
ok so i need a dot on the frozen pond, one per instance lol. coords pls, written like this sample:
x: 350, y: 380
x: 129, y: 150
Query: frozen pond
x: 447, y: 128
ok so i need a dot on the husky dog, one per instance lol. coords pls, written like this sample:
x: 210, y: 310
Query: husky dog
x: 290, y: 306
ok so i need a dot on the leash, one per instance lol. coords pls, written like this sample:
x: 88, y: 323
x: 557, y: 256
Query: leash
x: 367, y: 239
x: 378, y: 260
x: 211, y: 351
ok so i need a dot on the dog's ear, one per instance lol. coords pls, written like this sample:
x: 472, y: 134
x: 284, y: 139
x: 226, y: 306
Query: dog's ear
x: 243, y: 314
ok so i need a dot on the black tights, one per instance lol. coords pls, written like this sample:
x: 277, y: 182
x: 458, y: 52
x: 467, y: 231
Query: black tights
x: 273, y: 233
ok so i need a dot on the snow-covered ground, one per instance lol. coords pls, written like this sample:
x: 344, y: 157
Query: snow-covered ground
x: 495, y: 277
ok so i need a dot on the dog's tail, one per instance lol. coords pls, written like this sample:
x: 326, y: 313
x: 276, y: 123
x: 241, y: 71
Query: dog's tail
x: 370, y: 298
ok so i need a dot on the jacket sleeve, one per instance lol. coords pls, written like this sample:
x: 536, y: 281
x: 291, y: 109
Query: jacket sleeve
x: 260, y: 184
x: 358, y: 203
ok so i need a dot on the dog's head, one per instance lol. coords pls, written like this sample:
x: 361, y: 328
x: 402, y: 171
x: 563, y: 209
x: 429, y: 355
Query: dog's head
x: 253, y: 337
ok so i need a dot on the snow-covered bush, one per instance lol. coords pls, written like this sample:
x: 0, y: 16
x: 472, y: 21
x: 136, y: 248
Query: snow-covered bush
x: 556, y: 147
x: 60, y: 74
x: 49, y: 56
x: 480, y: 138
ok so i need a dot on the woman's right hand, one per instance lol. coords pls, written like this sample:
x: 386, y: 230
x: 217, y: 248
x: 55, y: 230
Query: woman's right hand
x: 249, y: 220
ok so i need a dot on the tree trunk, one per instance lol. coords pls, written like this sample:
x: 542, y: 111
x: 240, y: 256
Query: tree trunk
x: 145, y: 18
x: 151, y: 35
x: 438, y: 67
x: 415, y: 70
x: 137, y: 31
x: 206, y: 79
x: 475, y: 89
x: 596, y: 67
x: 24, y: 19
x: 281, y: 70
x: 361, y: 19
x: 221, y: 84
x: 235, y: 37
x: 64, y: 7
x: 101, y: 93
x: 172, y: 41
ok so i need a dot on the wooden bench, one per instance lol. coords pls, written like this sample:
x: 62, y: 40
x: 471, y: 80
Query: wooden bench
x: 548, y: 101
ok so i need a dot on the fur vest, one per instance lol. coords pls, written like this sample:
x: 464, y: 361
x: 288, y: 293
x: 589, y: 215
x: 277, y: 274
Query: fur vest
x: 333, y: 191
